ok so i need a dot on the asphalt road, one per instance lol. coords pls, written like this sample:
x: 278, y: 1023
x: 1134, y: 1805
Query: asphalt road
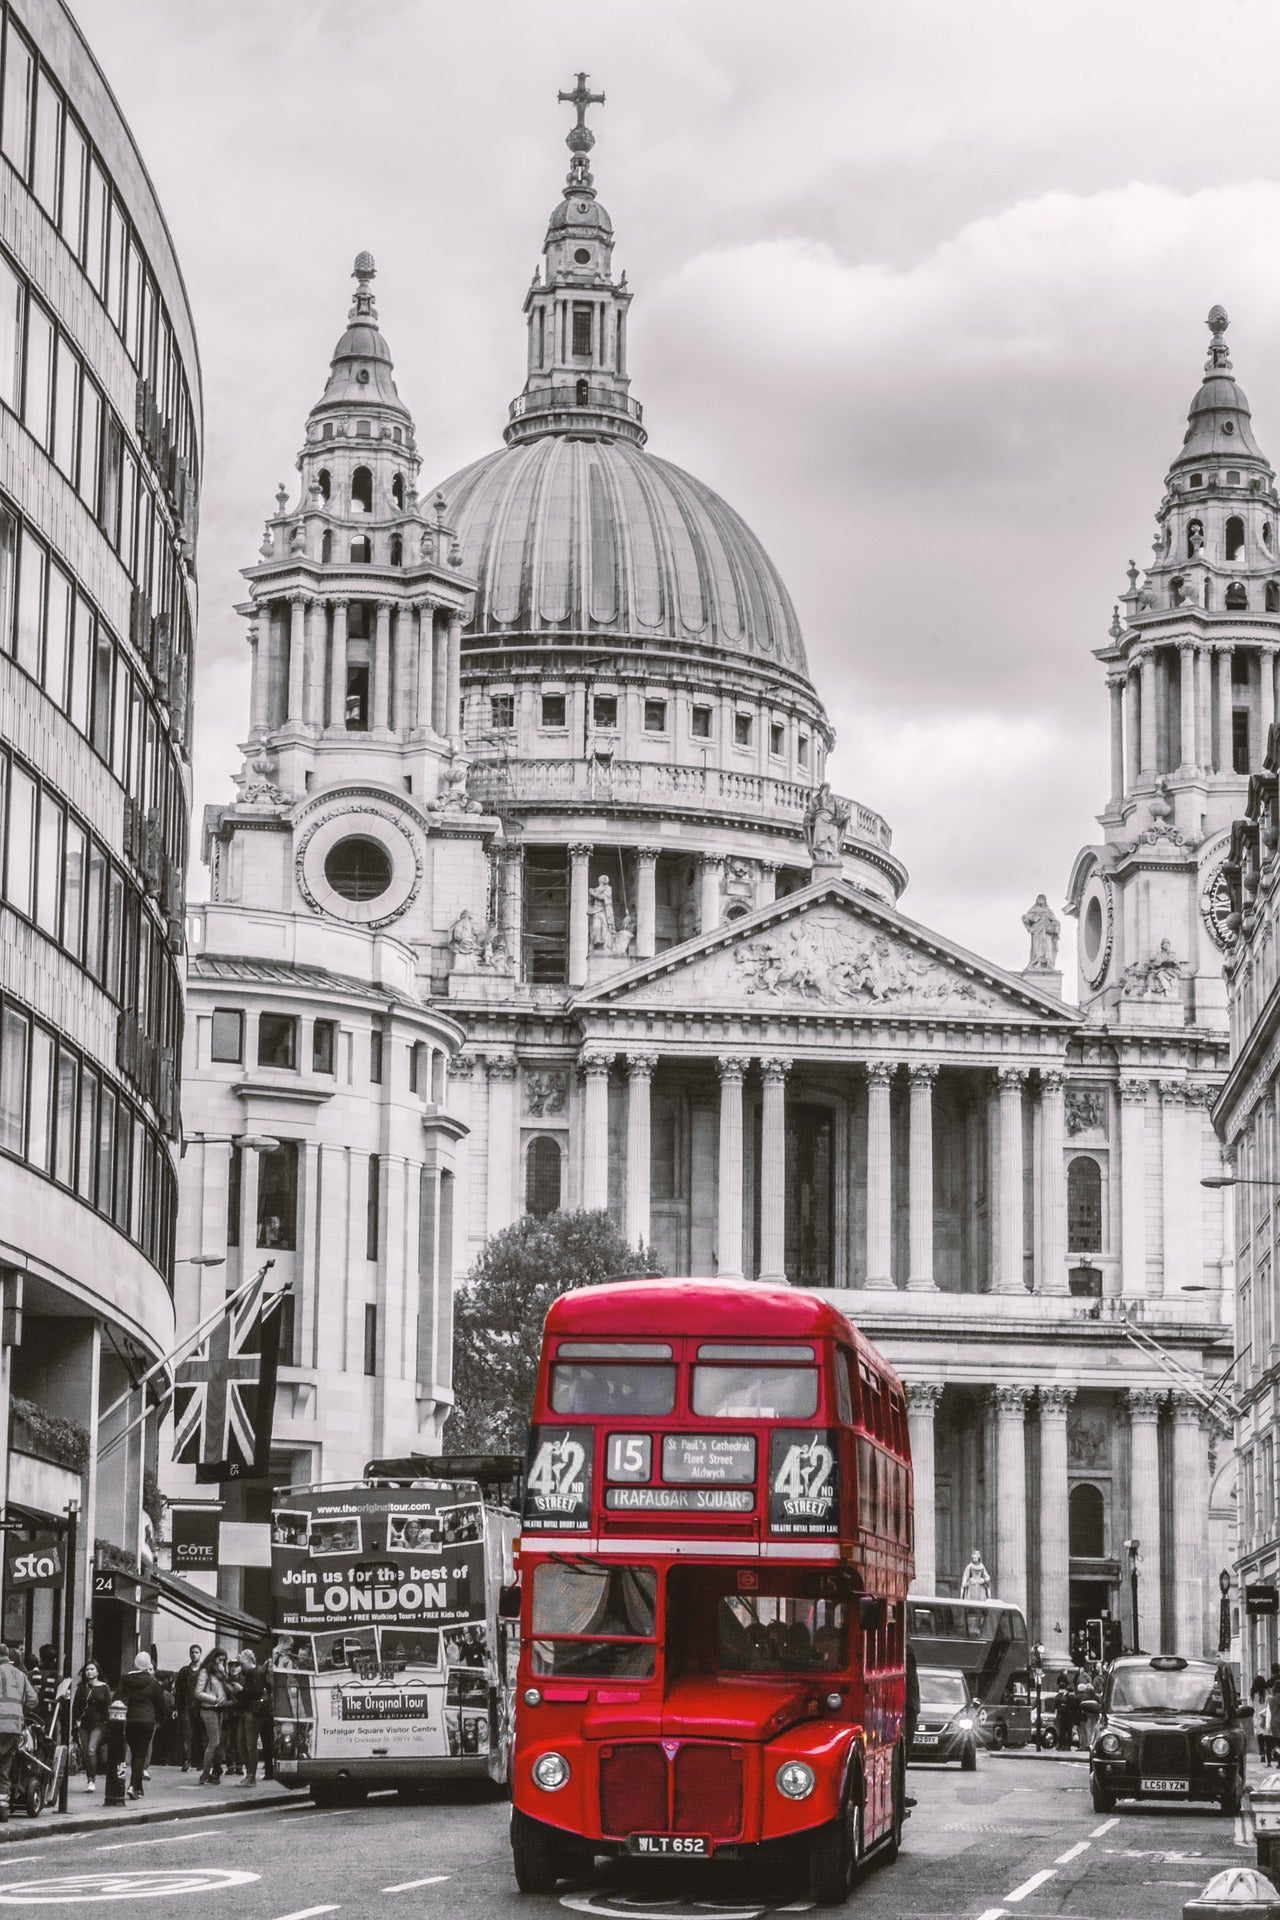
x: 1018, y: 1839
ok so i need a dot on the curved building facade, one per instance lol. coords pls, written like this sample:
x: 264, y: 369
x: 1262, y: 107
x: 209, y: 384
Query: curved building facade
x: 100, y: 428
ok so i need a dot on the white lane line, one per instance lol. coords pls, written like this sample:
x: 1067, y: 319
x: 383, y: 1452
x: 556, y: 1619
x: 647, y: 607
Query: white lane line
x: 1104, y: 1828
x: 407, y: 1886
x: 1029, y: 1886
x: 1072, y: 1853
x: 165, y: 1840
x: 993, y: 1913
x: 305, y: 1913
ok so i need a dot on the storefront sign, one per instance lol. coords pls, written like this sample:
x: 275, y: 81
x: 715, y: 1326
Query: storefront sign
x: 194, y: 1533
x: 1260, y: 1600
x: 32, y: 1563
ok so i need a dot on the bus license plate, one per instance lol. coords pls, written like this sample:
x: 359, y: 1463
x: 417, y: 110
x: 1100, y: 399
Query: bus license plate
x: 683, y: 1844
x: 1166, y: 1786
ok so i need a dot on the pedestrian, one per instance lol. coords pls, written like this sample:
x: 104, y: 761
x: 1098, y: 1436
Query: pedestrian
x: 47, y: 1681
x: 187, y: 1708
x: 1066, y: 1711
x: 146, y: 1708
x: 233, y: 1679
x: 90, y: 1707
x: 17, y: 1700
x: 212, y: 1699
x: 1262, y: 1725
x: 251, y: 1714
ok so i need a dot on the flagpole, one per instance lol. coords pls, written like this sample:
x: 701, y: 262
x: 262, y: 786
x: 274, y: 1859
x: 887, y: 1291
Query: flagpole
x: 109, y: 1446
x: 188, y: 1340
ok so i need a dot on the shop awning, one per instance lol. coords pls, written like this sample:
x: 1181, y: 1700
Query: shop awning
x: 205, y: 1609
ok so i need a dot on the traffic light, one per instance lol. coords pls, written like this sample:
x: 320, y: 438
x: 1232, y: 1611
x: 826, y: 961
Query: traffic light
x: 1102, y: 1639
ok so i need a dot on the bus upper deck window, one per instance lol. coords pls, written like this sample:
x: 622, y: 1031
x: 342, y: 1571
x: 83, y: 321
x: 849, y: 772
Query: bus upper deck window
x: 844, y: 1399
x: 590, y: 1380
x: 755, y: 1393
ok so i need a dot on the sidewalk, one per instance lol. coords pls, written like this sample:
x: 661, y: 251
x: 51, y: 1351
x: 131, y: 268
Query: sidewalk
x: 170, y: 1795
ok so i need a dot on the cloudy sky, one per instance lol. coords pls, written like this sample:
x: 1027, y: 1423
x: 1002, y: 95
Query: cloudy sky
x: 920, y: 288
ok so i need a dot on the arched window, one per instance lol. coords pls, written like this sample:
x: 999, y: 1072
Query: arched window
x: 1086, y: 1523
x: 583, y: 392
x: 1195, y: 538
x: 362, y: 491
x: 1273, y: 597
x: 542, y: 1176
x: 326, y: 549
x: 1266, y: 535
x: 397, y: 550
x: 1084, y: 1206
x: 397, y: 490
x: 1237, y: 599
x: 1180, y: 590
x: 1235, y: 537
x: 360, y: 550
x: 326, y: 431
x: 324, y: 483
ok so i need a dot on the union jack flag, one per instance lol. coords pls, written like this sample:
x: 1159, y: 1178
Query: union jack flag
x: 225, y: 1392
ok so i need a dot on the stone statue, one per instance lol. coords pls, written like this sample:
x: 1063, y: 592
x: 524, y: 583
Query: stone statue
x: 975, y: 1581
x: 600, y: 922
x: 825, y: 819
x: 625, y: 938
x: 463, y: 937
x: 1163, y: 972
x: 1045, y: 928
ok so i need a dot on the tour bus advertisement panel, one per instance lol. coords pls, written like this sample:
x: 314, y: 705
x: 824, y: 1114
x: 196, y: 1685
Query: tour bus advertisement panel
x: 383, y: 1634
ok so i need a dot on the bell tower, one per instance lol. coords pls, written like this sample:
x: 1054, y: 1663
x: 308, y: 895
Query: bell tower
x: 1191, y: 673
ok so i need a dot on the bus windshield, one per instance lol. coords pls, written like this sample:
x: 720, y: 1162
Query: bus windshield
x: 594, y: 1621
x: 607, y: 1387
x: 755, y: 1393
x: 773, y: 1633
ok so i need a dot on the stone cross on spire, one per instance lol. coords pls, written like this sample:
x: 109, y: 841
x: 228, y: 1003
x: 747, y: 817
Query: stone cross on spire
x: 580, y: 138
x: 1219, y: 359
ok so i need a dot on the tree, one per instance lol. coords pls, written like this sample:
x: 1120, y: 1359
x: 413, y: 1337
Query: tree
x: 498, y: 1315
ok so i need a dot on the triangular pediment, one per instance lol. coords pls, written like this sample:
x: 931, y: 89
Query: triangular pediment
x: 827, y: 951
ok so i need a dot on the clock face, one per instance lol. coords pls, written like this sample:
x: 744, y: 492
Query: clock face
x: 1215, y: 905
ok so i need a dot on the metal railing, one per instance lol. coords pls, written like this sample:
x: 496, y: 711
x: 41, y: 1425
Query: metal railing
x: 570, y: 394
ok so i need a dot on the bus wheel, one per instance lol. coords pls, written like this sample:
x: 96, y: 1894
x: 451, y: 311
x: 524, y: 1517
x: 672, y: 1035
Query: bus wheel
x: 537, y: 1855
x: 835, y: 1854
x: 999, y: 1736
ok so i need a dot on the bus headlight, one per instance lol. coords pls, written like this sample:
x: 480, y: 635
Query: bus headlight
x: 550, y: 1771
x: 795, y: 1780
x: 531, y: 1697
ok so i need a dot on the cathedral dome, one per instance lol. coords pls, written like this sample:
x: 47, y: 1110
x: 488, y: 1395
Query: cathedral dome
x: 597, y: 540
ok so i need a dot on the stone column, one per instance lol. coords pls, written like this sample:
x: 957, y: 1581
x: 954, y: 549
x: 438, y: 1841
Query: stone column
x: 453, y: 680
x: 313, y: 691
x: 1222, y: 661
x: 920, y: 1181
x: 773, y: 1172
x: 1144, y: 1513
x: 1190, y: 1507
x: 640, y: 1068
x: 922, y: 1405
x: 1187, y: 707
x: 766, y: 882
x: 594, y: 1068
x: 338, y: 667
x: 646, y: 903
x: 405, y: 654
x: 1133, y: 1188
x: 426, y: 668
x: 879, y: 1176
x: 579, y: 881
x: 439, y: 678
x: 248, y: 1211
x: 1173, y: 1113
x: 1051, y: 1263
x: 1055, y: 1564
x: 1266, y: 696
x: 381, y: 676
x: 1150, y: 735
x: 513, y: 906
x: 711, y: 868
x: 1009, y: 1244
x: 297, y: 657
x: 1115, y: 688
x: 1011, y: 1495
x: 501, y: 1070
x: 257, y: 680
x: 1133, y: 734
x: 1198, y: 1099
x: 729, y: 1214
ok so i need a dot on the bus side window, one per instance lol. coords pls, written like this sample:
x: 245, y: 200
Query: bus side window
x: 844, y: 1399
x: 922, y: 1623
x: 975, y: 1621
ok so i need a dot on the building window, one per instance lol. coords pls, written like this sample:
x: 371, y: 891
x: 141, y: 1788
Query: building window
x: 502, y: 712
x: 362, y: 490
x: 357, y: 699
x: 604, y: 711
x: 553, y: 710
x: 700, y: 723
x: 375, y: 1057
x: 802, y: 750
x: 278, y: 1196
x: 326, y: 549
x: 1240, y: 740
x: 323, y: 1037
x: 742, y: 729
x: 777, y: 740
x: 372, y: 1208
x: 419, y: 1067
x: 655, y: 716
x: 1272, y: 597
x: 1237, y: 598
x: 361, y: 553
x: 1234, y: 537
x: 371, y: 1341
x: 397, y: 490
x: 324, y: 483
x: 542, y: 1177
x: 397, y: 550
x: 358, y: 868
x: 277, y: 1040
x: 582, y: 329
x: 1084, y: 1206
x: 1086, y: 1523
x: 227, y: 1040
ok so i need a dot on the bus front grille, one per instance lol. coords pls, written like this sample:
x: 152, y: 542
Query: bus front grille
x: 633, y: 1788
x: 708, y: 1790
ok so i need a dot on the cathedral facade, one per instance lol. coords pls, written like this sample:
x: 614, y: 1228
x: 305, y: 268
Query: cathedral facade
x: 535, y: 790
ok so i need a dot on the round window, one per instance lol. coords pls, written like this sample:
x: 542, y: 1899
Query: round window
x: 582, y: 255
x: 358, y: 868
x: 1092, y: 929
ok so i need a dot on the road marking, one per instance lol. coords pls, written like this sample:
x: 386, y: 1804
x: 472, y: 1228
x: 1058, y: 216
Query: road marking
x: 144, y: 1884
x: 407, y: 1886
x: 305, y: 1913
x: 1029, y: 1886
x: 165, y: 1840
x: 993, y: 1913
x: 1072, y: 1853
x: 1104, y: 1828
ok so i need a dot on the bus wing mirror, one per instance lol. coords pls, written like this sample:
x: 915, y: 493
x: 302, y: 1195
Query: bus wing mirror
x: 509, y: 1603
x: 870, y: 1611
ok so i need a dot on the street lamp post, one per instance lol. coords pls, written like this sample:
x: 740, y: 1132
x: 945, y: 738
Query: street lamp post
x: 1037, y: 1674
x: 1131, y: 1548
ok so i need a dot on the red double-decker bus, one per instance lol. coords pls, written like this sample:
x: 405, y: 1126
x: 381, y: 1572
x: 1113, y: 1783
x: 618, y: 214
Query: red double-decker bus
x: 714, y: 1558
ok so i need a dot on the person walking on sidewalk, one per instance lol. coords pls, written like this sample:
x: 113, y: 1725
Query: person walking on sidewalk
x: 212, y: 1700
x: 251, y: 1714
x: 187, y: 1708
x: 146, y: 1708
x: 90, y: 1707
x: 17, y: 1700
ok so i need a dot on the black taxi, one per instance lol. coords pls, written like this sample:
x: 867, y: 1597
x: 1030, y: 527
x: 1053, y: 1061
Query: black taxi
x: 1169, y: 1729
